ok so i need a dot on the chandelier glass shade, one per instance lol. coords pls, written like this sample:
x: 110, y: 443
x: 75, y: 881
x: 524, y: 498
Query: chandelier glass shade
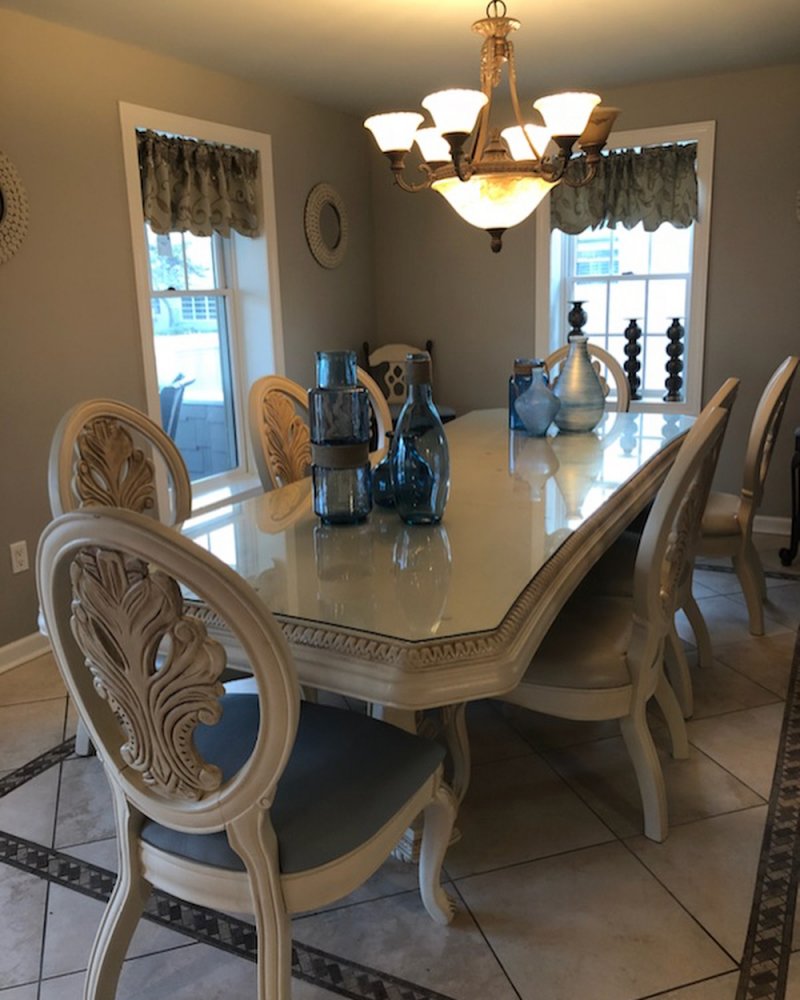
x: 494, y: 180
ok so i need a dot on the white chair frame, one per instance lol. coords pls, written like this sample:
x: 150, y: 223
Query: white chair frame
x: 739, y: 543
x: 665, y: 544
x: 95, y: 460
x: 88, y: 565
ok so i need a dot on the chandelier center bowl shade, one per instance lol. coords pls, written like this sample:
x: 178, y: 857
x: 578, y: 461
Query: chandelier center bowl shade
x: 495, y: 180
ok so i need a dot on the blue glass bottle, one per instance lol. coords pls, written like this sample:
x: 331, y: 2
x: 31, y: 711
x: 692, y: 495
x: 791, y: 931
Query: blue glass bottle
x: 420, y: 457
x: 339, y: 425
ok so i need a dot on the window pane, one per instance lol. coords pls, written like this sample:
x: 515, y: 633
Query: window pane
x: 666, y: 299
x: 595, y: 253
x: 593, y: 295
x: 167, y: 264
x: 634, y: 250
x: 654, y: 364
x: 193, y: 356
x: 626, y: 302
x: 200, y: 262
x: 671, y: 250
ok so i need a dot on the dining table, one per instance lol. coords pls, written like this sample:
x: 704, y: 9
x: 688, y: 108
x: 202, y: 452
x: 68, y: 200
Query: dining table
x: 415, y: 617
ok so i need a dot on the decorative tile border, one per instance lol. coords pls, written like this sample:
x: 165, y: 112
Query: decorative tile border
x: 765, y: 962
x: 238, y: 937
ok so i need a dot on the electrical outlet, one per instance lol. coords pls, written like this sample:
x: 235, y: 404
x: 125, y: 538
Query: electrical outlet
x: 19, y: 557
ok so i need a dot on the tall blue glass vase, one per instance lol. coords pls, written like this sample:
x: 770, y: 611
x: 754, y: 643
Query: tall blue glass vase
x: 419, y: 456
x: 339, y: 426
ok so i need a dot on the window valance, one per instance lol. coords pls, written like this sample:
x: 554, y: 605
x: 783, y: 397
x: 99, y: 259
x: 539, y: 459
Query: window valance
x: 198, y: 187
x: 653, y: 185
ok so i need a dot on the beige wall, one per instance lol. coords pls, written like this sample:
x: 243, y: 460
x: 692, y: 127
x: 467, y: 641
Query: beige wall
x: 68, y: 320
x: 436, y: 276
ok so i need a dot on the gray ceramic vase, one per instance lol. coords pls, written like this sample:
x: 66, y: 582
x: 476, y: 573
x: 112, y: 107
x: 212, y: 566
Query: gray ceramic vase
x: 580, y: 391
x: 537, y: 406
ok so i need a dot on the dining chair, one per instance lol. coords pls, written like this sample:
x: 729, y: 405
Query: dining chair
x: 105, y: 453
x: 249, y: 803
x: 613, y: 574
x: 387, y: 367
x: 727, y: 527
x: 603, y: 657
x: 606, y: 366
x: 278, y: 419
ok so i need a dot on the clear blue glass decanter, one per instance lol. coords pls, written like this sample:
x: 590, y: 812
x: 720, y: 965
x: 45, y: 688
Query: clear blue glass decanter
x: 420, y: 457
x: 339, y: 425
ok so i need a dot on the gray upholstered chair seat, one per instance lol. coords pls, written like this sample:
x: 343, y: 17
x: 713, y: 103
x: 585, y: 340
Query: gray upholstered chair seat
x: 720, y: 517
x: 346, y: 777
x: 586, y: 646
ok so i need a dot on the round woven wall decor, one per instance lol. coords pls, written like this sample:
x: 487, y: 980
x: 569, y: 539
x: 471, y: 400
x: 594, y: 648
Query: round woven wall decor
x: 327, y: 251
x: 13, y: 210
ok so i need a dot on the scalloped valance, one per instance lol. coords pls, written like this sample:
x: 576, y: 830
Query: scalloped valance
x: 198, y: 187
x: 652, y: 185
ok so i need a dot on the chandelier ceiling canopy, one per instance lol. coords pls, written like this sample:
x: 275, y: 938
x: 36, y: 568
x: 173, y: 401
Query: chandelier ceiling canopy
x: 493, y: 179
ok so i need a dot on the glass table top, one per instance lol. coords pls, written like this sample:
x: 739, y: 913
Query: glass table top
x: 513, y: 501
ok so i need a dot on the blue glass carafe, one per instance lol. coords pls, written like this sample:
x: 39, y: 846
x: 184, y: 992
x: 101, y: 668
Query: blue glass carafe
x: 420, y: 459
x: 339, y: 425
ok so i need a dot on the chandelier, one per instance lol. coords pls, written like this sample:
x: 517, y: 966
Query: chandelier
x: 499, y: 179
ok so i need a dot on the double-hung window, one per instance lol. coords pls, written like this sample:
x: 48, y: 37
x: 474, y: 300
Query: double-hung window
x: 622, y: 274
x: 209, y: 312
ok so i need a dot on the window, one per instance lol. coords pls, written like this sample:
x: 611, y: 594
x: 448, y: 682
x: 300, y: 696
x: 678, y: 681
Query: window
x: 623, y: 274
x: 205, y: 303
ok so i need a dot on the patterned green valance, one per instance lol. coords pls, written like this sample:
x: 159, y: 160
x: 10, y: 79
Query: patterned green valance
x: 653, y: 185
x: 198, y: 187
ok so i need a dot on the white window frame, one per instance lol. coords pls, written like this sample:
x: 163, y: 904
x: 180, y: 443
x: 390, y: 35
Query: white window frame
x: 256, y: 333
x: 551, y: 327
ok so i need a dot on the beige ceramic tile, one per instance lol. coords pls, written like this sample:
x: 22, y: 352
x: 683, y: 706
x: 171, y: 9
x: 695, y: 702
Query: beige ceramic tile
x: 37, y: 680
x: 517, y: 810
x: 30, y: 992
x: 72, y: 920
x: 726, y: 618
x: 783, y: 604
x: 397, y: 936
x: 793, y: 981
x: 85, y: 810
x: 719, y: 689
x: 22, y: 905
x: 744, y: 743
x: 557, y: 934
x: 30, y: 729
x: 30, y: 810
x: 765, y: 659
x: 491, y: 737
x: 543, y: 731
x: 718, y: 988
x: 710, y: 867
x: 603, y: 775
x: 720, y: 582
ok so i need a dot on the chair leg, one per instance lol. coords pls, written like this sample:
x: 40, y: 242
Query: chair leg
x: 254, y: 840
x: 678, y: 671
x: 641, y: 748
x: 751, y: 577
x: 705, y: 653
x: 671, y: 710
x: 440, y: 815
x: 114, y: 934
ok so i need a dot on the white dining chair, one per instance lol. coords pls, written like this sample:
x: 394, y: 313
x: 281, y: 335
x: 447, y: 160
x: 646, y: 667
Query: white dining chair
x: 386, y: 366
x: 603, y: 658
x: 248, y: 803
x: 108, y: 454
x: 606, y: 366
x: 727, y: 527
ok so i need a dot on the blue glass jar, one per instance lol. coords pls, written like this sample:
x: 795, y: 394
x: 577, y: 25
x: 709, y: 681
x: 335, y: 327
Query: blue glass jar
x: 517, y: 384
x: 538, y: 405
x: 420, y: 461
x: 339, y: 425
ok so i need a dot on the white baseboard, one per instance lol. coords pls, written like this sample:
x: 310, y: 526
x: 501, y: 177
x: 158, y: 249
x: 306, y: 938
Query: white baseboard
x: 28, y: 648
x: 766, y: 525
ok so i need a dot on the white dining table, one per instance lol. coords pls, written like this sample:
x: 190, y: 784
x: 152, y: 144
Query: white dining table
x: 417, y: 617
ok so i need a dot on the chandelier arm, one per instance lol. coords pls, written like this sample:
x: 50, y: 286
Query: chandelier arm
x: 512, y: 87
x: 590, y: 172
x: 404, y: 185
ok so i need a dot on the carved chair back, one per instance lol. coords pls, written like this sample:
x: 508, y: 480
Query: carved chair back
x: 669, y: 541
x: 387, y: 366
x: 606, y: 366
x: 278, y: 416
x: 106, y: 453
x: 761, y: 440
x: 144, y: 674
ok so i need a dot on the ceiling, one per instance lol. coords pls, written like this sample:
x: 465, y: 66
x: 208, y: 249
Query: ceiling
x: 362, y: 56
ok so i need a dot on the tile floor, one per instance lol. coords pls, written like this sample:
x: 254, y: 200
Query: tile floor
x: 559, y: 895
